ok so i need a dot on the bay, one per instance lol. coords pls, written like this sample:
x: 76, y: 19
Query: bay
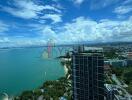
x: 26, y: 69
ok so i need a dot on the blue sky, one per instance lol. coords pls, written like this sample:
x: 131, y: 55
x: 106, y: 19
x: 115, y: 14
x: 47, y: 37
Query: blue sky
x: 34, y: 22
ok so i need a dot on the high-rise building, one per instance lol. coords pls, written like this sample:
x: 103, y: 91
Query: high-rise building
x: 87, y: 74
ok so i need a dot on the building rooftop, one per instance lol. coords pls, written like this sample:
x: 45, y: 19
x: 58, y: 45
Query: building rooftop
x: 93, y: 49
x: 87, y: 50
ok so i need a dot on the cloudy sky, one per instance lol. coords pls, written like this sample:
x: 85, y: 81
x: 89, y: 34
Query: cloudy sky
x: 34, y: 22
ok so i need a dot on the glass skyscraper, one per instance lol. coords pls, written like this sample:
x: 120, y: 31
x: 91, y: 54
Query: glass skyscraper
x: 88, y: 75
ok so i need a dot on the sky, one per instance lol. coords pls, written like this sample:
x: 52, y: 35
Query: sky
x: 36, y: 22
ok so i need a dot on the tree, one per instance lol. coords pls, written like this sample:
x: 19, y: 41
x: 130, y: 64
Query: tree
x: 117, y: 70
x: 127, y: 76
x: 27, y: 95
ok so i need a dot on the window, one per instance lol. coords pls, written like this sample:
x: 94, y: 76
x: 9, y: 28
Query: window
x: 100, y: 62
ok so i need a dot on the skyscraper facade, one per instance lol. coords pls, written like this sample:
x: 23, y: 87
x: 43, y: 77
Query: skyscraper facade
x: 87, y: 74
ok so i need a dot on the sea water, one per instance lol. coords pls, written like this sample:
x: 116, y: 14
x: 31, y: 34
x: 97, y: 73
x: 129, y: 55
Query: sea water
x: 27, y: 68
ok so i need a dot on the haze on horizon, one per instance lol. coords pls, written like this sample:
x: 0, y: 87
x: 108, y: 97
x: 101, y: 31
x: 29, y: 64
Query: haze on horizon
x: 34, y: 22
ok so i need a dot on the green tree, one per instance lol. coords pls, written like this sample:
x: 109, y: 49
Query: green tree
x: 117, y: 70
x: 127, y: 76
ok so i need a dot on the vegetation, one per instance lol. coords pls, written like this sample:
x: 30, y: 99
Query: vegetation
x: 117, y: 70
x: 54, y: 89
x: 127, y: 76
x: 67, y: 55
x: 111, y: 54
x: 108, y: 79
x: 124, y: 74
x: 51, y: 89
x: 129, y: 88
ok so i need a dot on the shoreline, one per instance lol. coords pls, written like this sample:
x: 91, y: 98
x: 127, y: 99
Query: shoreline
x: 65, y: 69
x: 26, y: 92
x: 65, y: 73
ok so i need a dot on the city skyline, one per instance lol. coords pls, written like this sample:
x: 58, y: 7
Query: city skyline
x: 34, y: 22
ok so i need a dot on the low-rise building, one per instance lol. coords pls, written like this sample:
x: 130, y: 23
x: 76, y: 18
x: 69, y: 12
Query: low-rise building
x: 107, y: 68
x: 129, y: 62
x: 115, y: 92
x: 109, y: 92
x: 116, y: 62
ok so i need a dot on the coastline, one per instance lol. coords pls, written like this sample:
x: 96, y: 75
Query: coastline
x: 60, y: 82
x: 65, y: 69
x: 53, y: 66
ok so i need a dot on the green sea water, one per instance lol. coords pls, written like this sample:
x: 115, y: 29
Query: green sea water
x: 26, y: 69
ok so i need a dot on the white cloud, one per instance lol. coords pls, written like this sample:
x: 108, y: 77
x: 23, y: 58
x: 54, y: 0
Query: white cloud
x: 24, y: 9
x: 26, y: 14
x: 98, y: 4
x: 48, y: 7
x: 54, y: 17
x: 48, y: 30
x: 3, y: 27
x: 48, y: 33
x: 18, y: 41
x: 78, y: 2
x: 88, y: 30
x: 127, y: 1
x: 28, y: 9
x: 82, y: 29
x: 123, y: 9
x: 27, y: 41
x: 4, y: 40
